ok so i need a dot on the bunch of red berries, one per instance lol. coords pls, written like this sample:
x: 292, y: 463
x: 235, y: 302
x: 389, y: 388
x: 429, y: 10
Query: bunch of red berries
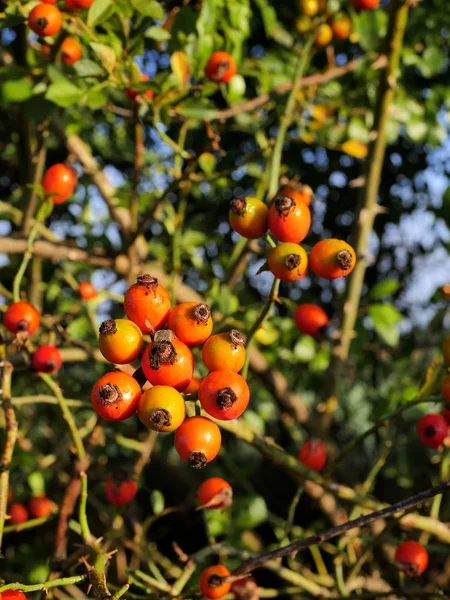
x: 167, y: 364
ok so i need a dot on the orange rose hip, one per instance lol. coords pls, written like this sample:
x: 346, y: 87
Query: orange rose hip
x: 191, y: 322
x: 224, y: 352
x: 332, y: 259
x: 147, y: 304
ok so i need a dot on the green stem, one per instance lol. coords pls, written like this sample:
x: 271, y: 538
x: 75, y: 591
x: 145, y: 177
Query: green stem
x: 368, y: 207
x: 437, y: 500
x: 46, y: 585
x: 287, y: 118
x: 151, y: 581
x: 85, y: 531
x: 179, y: 584
x: 67, y: 415
x: 26, y: 259
x: 292, y: 509
x: 123, y: 590
x: 27, y: 524
x: 273, y: 297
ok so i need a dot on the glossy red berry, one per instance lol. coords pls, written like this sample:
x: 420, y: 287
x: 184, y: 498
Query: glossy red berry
x: 191, y: 322
x: 198, y: 441
x: 12, y: 595
x: 224, y: 395
x: 332, y: 258
x: 432, y: 430
x: 45, y: 19
x: 21, y: 317
x: 120, y: 490
x: 40, y: 507
x: 248, y: 217
x: 47, y: 359
x: 224, y: 351
x: 87, y: 290
x: 215, y: 493
x: 18, y: 514
x: 147, y: 304
x: 212, y: 582
x: 115, y: 396
x: 310, y: 319
x: 289, y: 220
x: 221, y: 67
x: 70, y: 51
x: 167, y: 361
x: 365, y: 4
x: 411, y: 558
x: 288, y: 261
x: 59, y: 182
x: 313, y: 454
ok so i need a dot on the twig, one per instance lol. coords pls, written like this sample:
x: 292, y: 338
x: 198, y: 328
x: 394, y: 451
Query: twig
x: 318, y: 538
x: 30, y: 524
x: 310, y: 80
x: 44, y: 399
x: 287, y: 119
x: 368, y: 207
x: 28, y: 255
x: 76, y: 437
x: 85, y: 531
x: 11, y: 437
x: 32, y: 195
x: 46, y: 585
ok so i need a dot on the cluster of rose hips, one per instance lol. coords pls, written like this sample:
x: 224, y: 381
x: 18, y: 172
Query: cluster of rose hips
x: 39, y: 507
x: 167, y: 364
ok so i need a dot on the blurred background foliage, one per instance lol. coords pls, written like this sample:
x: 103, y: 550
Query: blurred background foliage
x: 402, y: 315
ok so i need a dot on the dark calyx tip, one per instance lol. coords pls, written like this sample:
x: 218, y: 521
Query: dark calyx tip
x: 108, y: 327
x: 161, y: 418
x: 238, y: 206
x: 225, y: 398
x: 215, y: 581
x: 147, y: 281
x: 23, y: 325
x: 201, y: 313
x: 292, y: 261
x: 430, y: 431
x: 109, y: 393
x: 237, y: 338
x: 197, y: 460
x: 49, y: 366
x: 344, y: 259
x: 162, y: 353
x: 284, y: 205
x: 42, y: 23
x: 411, y: 569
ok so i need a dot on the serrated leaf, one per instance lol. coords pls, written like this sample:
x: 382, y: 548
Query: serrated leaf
x: 149, y: 8
x: 105, y: 54
x: 100, y: 11
x: 63, y: 93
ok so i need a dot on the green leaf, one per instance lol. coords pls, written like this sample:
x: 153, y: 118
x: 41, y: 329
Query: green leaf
x: 157, y: 501
x: 37, y: 483
x: 305, y: 349
x: 249, y: 512
x: 97, y: 97
x: 157, y: 33
x: 64, y: 93
x: 105, y: 54
x: 149, y: 8
x: 269, y: 16
x: 432, y: 61
x: 385, y: 319
x: 45, y: 210
x: 384, y: 288
x: 371, y: 26
x: 88, y: 68
x: 16, y: 90
x: 100, y: 11
x: 78, y: 328
x: 207, y: 162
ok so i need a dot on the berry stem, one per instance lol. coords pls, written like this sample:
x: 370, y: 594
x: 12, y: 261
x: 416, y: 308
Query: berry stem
x: 273, y: 297
x: 287, y: 117
x: 24, y: 264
